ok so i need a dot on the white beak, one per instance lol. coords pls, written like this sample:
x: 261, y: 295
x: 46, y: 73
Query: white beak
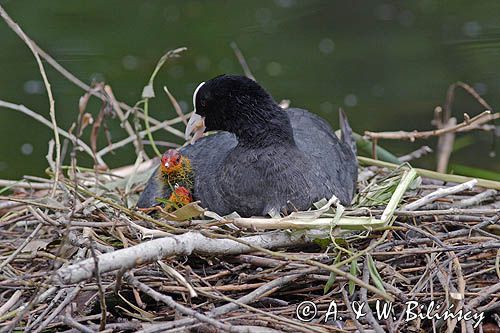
x: 196, y: 123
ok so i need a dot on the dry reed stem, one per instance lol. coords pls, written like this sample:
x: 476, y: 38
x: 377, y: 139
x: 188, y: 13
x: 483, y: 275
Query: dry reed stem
x: 242, y: 61
x: 466, y: 125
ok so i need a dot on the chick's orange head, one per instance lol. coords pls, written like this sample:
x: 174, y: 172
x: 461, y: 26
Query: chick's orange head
x: 170, y: 161
x: 181, y: 195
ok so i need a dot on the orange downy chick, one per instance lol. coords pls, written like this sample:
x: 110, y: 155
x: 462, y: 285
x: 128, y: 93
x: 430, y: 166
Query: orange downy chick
x: 181, y: 196
x: 176, y: 168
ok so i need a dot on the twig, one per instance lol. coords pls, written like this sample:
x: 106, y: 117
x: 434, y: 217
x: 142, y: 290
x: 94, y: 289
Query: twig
x: 450, y: 211
x: 178, y: 277
x: 242, y: 61
x: 78, y: 240
x: 22, y: 246
x: 31, y: 202
x: 148, y: 92
x: 422, y: 151
x: 63, y: 71
x: 445, y: 146
x: 176, y: 105
x: 310, y: 262
x: 176, y: 306
x: 162, y: 144
x: 484, y: 294
x: 467, y: 124
x: 468, y: 89
x: 439, y: 194
x: 128, y: 128
x: 297, y: 326
x: 73, y: 79
x: 37, y: 51
x: 49, y: 307
x: 10, y: 303
x: 21, y: 184
x: 129, y: 139
x: 102, y: 298
x: 17, y: 29
x: 47, y: 123
x: 21, y: 311
x: 347, y: 303
x: 252, y: 296
x: 67, y: 300
x: 70, y: 321
x: 477, y: 199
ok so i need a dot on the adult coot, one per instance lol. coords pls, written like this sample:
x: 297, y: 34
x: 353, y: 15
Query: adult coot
x: 264, y: 159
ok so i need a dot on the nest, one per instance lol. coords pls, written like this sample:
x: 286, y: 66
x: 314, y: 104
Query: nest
x: 80, y: 259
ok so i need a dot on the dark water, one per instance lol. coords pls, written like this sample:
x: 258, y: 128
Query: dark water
x: 388, y: 63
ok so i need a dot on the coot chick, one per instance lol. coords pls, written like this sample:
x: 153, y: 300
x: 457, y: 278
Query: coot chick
x: 264, y: 159
x: 179, y: 197
x: 171, y: 183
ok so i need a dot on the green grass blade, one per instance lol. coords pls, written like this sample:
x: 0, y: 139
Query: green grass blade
x: 333, y: 276
x: 354, y: 272
x: 375, y: 276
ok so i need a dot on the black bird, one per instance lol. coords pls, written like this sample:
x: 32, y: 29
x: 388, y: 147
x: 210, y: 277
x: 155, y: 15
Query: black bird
x: 264, y: 159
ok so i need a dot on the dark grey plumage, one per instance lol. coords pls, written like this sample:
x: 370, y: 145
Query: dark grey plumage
x: 155, y: 188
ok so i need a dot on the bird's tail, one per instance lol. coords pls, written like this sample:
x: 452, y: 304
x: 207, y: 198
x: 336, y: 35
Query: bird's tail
x: 346, y: 131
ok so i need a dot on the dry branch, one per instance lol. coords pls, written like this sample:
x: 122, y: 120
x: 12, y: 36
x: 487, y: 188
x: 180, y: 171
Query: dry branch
x: 467, y: 125
x: 445, y: 147
x: 185, y: 244
x: 178, y: 307
x: 422, y: 151
x: 477, y: 199
x: 242, y: 61
x: 442, y: 192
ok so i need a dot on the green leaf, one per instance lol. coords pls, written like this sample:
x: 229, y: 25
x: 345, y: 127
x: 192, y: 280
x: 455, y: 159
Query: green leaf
x: 381, y: 192
x: 354, y: 272
x: 375, y: 276
x: 187, y: 212
x: 148, y: 91
x: 322, y: 242
x: 332, y: 277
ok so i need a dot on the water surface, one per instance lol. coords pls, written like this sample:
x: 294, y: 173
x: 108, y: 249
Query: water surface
x: 387, y: 63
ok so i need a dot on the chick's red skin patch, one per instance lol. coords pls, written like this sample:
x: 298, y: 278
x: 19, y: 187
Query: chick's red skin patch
x: 170, y: 161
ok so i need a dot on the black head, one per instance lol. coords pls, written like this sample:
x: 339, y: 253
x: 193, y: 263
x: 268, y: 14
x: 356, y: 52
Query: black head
x: 240, y: 105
